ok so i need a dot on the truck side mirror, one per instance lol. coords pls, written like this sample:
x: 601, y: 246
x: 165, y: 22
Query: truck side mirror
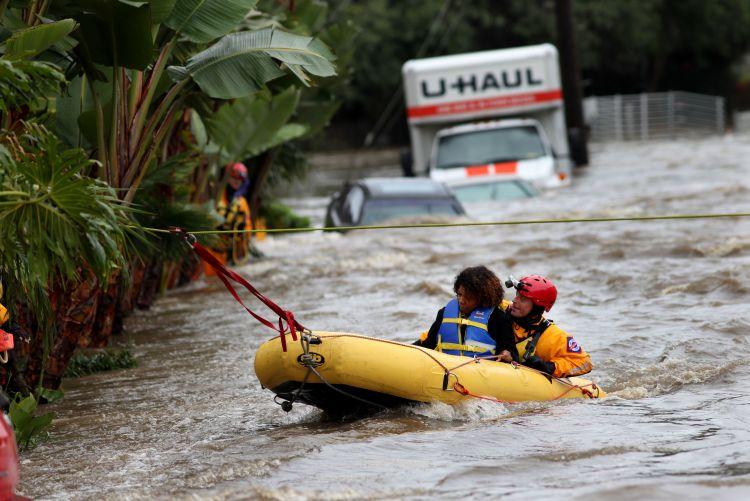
x: 407, y: 162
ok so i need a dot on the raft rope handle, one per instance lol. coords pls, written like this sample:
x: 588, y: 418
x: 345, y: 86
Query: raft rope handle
x: 225, y: 274
x: 4, y: 357
x: 304, y: 340
x: 307, y: 361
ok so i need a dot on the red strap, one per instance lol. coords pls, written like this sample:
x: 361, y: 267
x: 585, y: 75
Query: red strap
x: 225, y: 274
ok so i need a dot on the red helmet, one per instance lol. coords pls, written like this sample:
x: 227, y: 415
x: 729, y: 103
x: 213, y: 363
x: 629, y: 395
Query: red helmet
x: 238, y: 170
x: 539, y: 289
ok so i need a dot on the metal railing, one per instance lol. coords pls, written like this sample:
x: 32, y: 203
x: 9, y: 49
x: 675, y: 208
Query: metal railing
x: 659, y: 115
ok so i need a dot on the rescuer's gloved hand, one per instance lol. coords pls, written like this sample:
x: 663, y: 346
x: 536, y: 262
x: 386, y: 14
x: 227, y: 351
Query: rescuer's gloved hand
x: 537, y: 363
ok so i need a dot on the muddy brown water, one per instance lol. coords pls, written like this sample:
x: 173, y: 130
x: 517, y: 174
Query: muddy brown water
x: 662, y: 306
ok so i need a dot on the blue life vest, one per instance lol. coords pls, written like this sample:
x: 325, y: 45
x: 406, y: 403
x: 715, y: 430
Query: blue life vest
x: 476, y: 342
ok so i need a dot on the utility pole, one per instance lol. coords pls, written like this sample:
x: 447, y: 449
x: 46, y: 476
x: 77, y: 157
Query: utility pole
x: 571, y: 83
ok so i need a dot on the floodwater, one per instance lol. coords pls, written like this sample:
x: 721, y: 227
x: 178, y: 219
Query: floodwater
x: 662, y: 307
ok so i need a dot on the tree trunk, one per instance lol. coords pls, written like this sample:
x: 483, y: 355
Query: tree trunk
x: 59, y: 300
x: 76, y: 322
x: 105, y: 315
x: 190, y: 269
x: 149, y: 286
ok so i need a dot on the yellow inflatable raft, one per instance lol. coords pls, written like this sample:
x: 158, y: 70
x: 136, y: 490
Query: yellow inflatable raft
x: 345, y: 373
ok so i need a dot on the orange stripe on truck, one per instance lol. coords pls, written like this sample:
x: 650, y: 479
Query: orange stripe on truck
x: 506, y: 168
x: 486, y: 170
x: 477, y: 170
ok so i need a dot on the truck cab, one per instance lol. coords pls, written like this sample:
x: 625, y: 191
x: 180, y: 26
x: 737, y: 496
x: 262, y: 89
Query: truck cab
x: 514, y: 147
x: 488, y: 114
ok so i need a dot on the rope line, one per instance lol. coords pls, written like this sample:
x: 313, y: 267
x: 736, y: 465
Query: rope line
x: 468, y: 223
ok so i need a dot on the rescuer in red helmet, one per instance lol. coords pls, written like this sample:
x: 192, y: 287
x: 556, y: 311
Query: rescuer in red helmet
x: 235, y: 210
x: 541, y: 344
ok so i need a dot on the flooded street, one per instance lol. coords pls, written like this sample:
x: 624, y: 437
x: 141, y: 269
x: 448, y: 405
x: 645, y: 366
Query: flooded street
x: 661, y: 306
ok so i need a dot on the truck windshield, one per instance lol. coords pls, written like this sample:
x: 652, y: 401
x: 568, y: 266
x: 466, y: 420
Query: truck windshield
x: 488, y: 146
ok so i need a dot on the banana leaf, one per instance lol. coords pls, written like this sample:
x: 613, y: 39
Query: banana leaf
x: 241, y: 63
x: 205, y: 20
x: 29, y: 42
x: 161, y: 10
x: 116, y: 32
x: 251, y: 125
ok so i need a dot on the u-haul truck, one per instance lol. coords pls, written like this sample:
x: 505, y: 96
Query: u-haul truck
x: 473, y: 117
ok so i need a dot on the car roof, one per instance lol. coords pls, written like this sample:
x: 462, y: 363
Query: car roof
x: 398, y: 187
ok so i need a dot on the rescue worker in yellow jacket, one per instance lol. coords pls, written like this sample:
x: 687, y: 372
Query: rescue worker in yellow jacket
x: 11, y: 378
x: 541, y: 344
x: 471, y: 324
x: 4, y: 316
x: 235, y: 210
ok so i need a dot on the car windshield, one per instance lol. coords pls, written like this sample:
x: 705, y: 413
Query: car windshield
x: 378, y: 210
x: 489, y: 146
x: 490, y: 192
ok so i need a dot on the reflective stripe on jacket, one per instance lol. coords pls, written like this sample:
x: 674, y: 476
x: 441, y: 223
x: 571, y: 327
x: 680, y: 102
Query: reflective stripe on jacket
x: 236, y: 214
x: 476, y: 340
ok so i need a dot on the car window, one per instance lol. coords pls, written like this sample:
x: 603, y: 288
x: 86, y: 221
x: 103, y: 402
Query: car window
x: 407, y: 187
x: 489, y: 146
x: 489, y: 192
x: 353, y: 204
x: 376, y: 211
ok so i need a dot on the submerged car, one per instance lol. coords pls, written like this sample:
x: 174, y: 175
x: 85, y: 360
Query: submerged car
x: 374, y: 200
x: 496, y: 190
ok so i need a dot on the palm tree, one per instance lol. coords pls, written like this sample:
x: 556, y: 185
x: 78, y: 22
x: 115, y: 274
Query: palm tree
x: 135, y: 69
x: 58, y: 229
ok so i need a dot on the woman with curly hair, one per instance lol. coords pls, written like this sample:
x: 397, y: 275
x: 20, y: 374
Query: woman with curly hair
x: 471, y: 324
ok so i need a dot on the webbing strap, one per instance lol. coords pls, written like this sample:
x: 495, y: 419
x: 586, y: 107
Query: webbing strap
x: 531, y: 346
x: 467, y: 347
x: 465, y: 321
x: 226, y: 274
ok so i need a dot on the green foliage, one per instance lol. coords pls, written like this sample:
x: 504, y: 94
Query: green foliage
x: 251, y: 125
x: 88, y: 362
x: 241, y: 63
x: 161, y: 9
x: 163, y: 202
x: 27, y: 84
x: 54, y: 220
x: 29, y: 427
x: 205, y: 20
x: 278, y: 215
x: 290, y: 163
x: 29, y: 42
x: 114, y: 32
x: 660, y: 45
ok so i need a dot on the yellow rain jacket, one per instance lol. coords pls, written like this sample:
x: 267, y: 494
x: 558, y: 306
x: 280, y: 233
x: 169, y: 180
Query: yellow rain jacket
x: 554, y: 345
x: 4, y: 316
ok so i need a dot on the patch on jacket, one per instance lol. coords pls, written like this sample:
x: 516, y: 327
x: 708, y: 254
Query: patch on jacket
x: 573, y: 346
